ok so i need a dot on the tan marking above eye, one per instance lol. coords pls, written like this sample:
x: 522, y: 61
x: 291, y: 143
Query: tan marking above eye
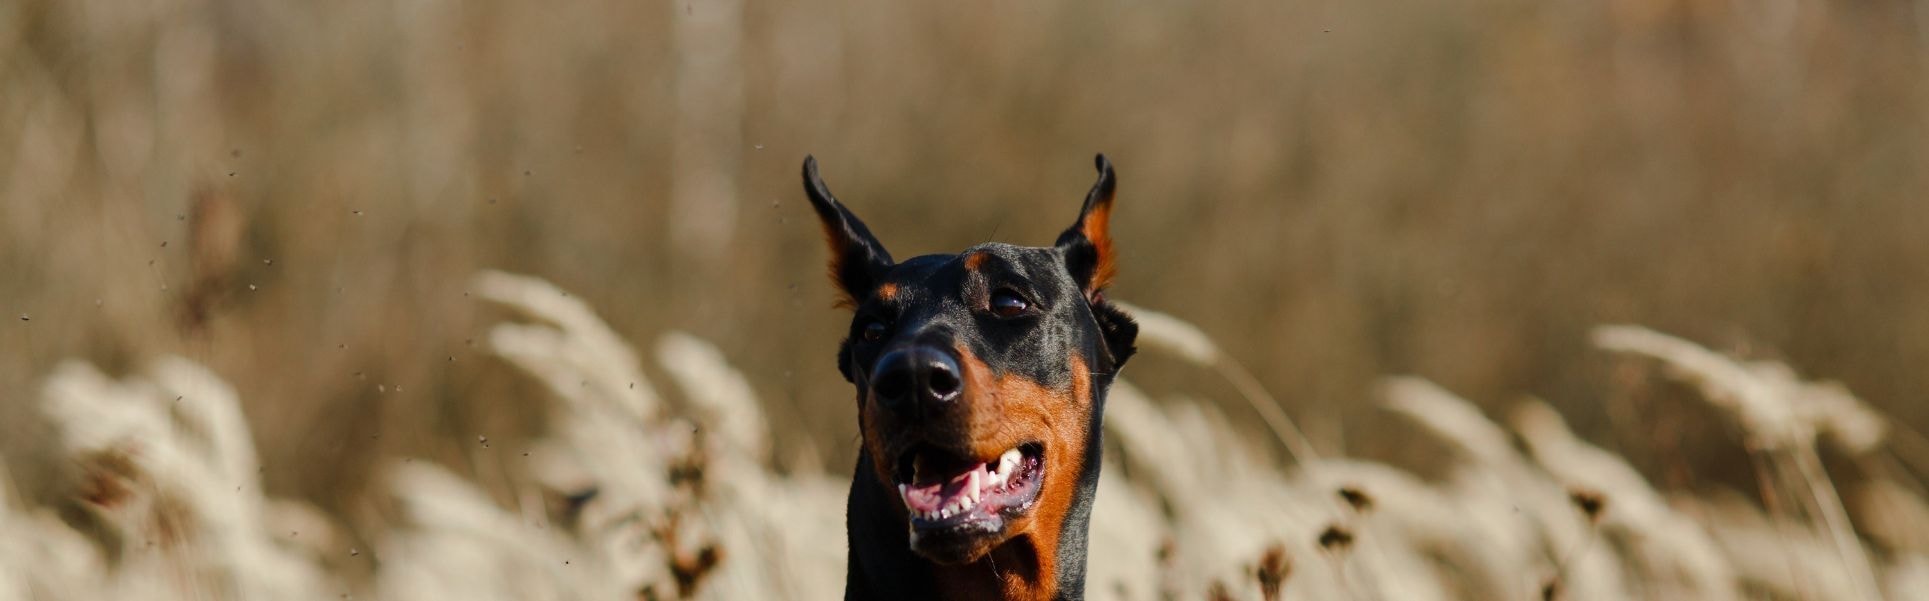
x: 976, y: 260
x: 887, y: 291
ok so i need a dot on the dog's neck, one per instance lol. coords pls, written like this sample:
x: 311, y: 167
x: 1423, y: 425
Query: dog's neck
x: 1045, y: 564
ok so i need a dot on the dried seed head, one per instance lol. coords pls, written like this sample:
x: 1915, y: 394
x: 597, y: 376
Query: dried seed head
x: 1357, y: 498
x: 108, y: 478
x: 1274, y: 567
x: 689, y: 570
x: 1590, y: 502
x: 1336, y: 538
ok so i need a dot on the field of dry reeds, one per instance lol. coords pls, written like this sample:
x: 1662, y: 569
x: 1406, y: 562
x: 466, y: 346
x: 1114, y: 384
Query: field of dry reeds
x: 626, y: 496
x: 511, y: 300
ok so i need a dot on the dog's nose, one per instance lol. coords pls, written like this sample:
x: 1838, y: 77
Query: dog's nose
x: 915, y: 376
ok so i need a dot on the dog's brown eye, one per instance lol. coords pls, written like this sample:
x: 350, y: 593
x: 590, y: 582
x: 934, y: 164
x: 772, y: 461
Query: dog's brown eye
x: 1005, y: 303
x: 873, y: 331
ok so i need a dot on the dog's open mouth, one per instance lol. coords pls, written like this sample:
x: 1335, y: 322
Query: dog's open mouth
x: 950, y: 494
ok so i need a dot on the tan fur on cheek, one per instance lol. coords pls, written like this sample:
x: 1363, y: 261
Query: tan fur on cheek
x: 1008, y: 410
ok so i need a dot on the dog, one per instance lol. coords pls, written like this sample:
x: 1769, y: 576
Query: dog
x: 980, y: 380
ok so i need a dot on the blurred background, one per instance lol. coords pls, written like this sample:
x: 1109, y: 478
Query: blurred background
x: 297, y: 195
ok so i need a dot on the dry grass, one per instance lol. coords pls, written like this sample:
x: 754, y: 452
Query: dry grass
x: 629, y: 496
x: 291, y: 194
x: 295, y: 197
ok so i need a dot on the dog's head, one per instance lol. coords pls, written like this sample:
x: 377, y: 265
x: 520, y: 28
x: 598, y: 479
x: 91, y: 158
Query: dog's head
x: 980, y: 375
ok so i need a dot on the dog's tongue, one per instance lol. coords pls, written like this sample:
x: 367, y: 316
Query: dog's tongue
x: 926, y: 498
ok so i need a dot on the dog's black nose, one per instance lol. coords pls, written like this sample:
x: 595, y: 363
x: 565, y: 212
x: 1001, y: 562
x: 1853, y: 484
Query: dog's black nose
x: 918, y: 375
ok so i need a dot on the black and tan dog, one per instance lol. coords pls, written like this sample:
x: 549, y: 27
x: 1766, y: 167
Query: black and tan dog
x: 981, y: 379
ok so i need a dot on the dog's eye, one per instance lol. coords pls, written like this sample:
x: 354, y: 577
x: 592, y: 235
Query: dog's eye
x: 1005, y: 303
x: 873, y: 331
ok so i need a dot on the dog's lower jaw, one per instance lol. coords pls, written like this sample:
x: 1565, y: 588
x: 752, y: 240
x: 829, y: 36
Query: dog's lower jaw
x: 883, y: 565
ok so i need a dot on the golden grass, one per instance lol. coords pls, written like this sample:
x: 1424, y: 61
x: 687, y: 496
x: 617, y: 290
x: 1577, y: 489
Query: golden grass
x: 292, y: 193
x: 629, y: 495
x: 296, y: 196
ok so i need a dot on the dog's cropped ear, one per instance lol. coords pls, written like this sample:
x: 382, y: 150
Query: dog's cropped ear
x: 858, y: 260
x: 1088, y: 243
x: 1087, y: 247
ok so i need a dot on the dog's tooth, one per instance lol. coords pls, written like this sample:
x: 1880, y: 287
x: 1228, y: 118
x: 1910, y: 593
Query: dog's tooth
x: 972, y: 488
x: 1008, y: 461
x: 904, y: 492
